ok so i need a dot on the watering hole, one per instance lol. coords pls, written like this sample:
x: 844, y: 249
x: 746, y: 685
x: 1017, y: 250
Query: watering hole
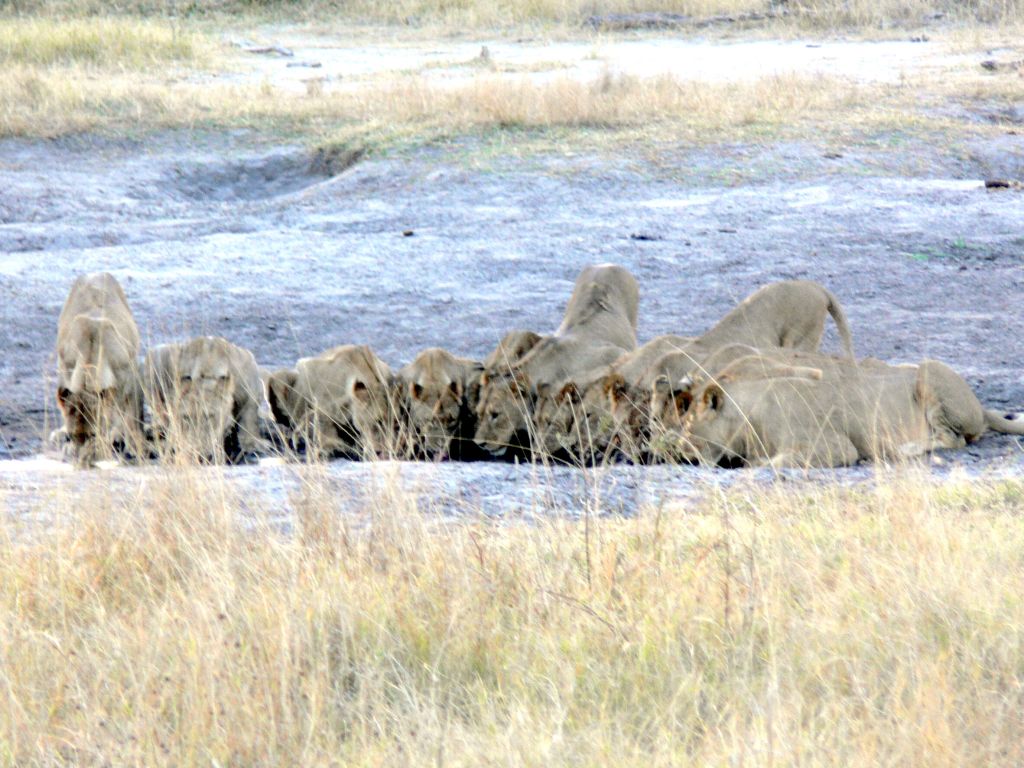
x: 288, y: 252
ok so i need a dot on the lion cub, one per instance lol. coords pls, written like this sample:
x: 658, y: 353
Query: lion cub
x: 205, y: 396
x: 98, y: 387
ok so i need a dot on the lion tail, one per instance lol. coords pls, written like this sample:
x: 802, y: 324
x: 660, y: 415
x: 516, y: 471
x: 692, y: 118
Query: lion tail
x: 1010, y: 423
x: 842, y: 324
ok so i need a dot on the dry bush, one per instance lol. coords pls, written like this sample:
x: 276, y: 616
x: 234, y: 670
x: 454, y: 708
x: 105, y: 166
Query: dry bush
x: 820, y: 626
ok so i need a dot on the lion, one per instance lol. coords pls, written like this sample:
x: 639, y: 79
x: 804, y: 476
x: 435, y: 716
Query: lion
x: 441, y: 392
x: 670, y: 399
x: 598, y: 326
x: 583, y: 417
x: 625, y: 389
x: 513, y: 346
x: 342, y: 402
x: 881, y: 413
x: 98, y: 386
x: 790, y: 314
x: 205, y: 397
x: 570, y: 422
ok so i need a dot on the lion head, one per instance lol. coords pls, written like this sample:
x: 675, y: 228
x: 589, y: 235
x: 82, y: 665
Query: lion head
x: 504, y: 411
x: 440, y: 393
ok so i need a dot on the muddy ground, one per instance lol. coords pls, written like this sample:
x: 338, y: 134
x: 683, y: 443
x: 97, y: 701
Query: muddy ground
x: 241, y: 236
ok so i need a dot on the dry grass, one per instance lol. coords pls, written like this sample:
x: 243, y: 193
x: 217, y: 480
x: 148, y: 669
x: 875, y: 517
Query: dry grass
x: 117, y: 44
x: 128, y: 76
x: 490, y: 14
x: 816, y: 627
x: 35, y: 102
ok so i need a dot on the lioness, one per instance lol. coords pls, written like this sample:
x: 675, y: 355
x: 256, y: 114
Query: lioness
x: 789, y: 421
x: 98, y: 386
x: 626, y: 388
x: 339, y: 403
x: 784, y: 314
x: 790, y: 313
x: 580, y: 418
x: 670, y: 399
x: 513, y: 346
x: 571, y: 422
x: 598, y: 326
x: 441, y: 392
x: 205, y: 397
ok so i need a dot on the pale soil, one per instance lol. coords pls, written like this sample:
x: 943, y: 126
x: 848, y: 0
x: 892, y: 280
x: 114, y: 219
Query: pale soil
x: 338, y: 64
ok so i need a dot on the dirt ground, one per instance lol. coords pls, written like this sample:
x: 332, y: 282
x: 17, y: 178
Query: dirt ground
x: 236, y: 234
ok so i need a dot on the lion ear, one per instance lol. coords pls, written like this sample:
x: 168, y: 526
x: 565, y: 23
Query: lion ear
x: 283, y: 397
x: 415, y: 390
x: 571, y: 392
x: 713, y: 397
x: 683, y: 398
x: 360, y: 391
x: 521, y: 384
x: 474, y: 383
x: 614, y: 385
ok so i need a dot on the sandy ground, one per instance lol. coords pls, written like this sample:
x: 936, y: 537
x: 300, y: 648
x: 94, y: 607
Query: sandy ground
x: 235, y: 235
x: 339, y: 66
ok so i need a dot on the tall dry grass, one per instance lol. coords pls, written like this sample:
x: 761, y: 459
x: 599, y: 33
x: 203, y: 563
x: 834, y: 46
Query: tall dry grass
x: 463, y: 14
x: 821, y: 626
x: 121, y: 75
x: 36, y: 102
x: 118, y: 44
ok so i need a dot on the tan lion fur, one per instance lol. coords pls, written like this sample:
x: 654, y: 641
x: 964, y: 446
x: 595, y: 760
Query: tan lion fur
x: 790, y: 314
x: 441, y: 392
x: 513, y: 346
x: 880, y: 413
x: 205, y: 396
x: 98, y: 386
x: 598, y: 326
x: 341, y: 402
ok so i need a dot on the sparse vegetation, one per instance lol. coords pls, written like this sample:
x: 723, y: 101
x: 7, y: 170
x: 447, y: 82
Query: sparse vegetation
x: 504, y: 13
x: 122, y: 44
x: 45, y: 102
x: 821, y: 626
x: 120, y: 75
